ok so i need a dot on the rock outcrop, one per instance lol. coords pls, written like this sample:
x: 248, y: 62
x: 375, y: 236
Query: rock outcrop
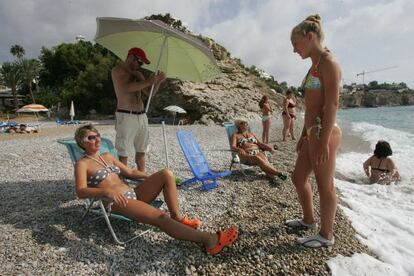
x: 377, y: 98
x: 234, y: 94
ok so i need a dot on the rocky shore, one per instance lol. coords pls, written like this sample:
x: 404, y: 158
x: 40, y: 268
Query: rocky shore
x: 40, y: 234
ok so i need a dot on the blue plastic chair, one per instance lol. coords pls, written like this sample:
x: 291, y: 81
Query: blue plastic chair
x: 96, y: 205
x: 198, y: 163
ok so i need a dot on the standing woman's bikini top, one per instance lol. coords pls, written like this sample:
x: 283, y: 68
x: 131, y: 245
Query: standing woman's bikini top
x: 291, y: 105
x: 313, y: 77
x: 312, y: 80
x: 101, y: 174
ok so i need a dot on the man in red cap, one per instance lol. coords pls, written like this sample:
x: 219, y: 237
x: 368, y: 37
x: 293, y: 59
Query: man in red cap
x: 131, y: 121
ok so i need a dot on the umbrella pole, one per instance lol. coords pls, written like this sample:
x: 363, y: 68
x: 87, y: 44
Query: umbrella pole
x: 165, y: 144
x: 37, y: 120
x: 156, y: 71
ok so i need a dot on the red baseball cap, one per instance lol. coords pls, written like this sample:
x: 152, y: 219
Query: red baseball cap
x: 139, y: 53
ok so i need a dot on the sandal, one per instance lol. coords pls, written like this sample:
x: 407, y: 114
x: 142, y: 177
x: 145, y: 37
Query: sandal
x: 193, y: 223
x: 316, y: 241
x: 225, y: 238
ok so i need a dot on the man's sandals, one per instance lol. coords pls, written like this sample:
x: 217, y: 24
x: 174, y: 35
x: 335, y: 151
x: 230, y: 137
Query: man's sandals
x: 225, y: 238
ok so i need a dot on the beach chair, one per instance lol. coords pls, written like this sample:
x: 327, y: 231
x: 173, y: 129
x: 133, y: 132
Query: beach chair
x: 96, y: 205
x: 198, y: 163
x: 60, y: 122
x: 235, y: 159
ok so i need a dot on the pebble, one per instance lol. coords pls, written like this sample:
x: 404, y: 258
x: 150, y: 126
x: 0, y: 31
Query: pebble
x: 40, y: 215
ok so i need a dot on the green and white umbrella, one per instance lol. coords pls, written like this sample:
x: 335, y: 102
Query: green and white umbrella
x: 175, y: 53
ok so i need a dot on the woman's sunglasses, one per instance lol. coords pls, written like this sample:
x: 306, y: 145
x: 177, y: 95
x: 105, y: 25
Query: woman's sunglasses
x: 91, y: 138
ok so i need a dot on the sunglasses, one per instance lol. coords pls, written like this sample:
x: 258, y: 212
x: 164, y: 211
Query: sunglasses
x: 140, y: 62
x: 91, y: 138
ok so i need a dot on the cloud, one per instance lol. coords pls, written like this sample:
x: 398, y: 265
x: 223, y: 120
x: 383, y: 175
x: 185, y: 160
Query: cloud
x: 363, y: 35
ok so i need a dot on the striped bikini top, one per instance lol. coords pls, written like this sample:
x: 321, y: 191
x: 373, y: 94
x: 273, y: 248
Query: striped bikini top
x: 103, y: 173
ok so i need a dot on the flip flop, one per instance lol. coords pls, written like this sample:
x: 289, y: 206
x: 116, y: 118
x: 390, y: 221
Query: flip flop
x: 299, y: 223
x: 225, y: 238
x: 316, y: 241
x: 193, y: 223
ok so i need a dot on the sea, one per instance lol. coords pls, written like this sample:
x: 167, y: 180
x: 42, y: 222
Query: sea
x: 382, y: 215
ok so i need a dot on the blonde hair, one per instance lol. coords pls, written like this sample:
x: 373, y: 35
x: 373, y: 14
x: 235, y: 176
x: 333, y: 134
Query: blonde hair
x: 80, y: 133
x: 312, y: 23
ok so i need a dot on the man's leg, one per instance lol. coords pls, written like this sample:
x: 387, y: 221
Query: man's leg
x: 124, y: 125
x: 140, y: 161
x: 141, y: 141
x: 124, y: 160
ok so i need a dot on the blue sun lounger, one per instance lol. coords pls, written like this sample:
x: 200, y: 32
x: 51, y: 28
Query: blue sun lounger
x: 96, y: 205
x: 198, y: 163
x: 70, y: 122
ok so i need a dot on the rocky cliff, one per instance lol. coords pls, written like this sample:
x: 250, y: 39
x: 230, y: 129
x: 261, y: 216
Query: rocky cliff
x: 235, y: 94
x: 377, y: 98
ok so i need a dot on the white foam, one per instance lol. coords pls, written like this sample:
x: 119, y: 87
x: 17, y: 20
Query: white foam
x: 382, y: 215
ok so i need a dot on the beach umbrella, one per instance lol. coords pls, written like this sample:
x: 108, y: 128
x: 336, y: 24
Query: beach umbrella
x: 33, y: 108
x: 72, y: 111
x: 177, y: 54
x: 174, y: 109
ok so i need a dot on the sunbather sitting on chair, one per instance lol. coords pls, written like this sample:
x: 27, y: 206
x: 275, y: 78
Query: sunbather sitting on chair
x: 248, y: 146
x: 98, y: 176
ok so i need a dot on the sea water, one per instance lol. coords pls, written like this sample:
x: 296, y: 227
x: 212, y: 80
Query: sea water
x: 382, y: 215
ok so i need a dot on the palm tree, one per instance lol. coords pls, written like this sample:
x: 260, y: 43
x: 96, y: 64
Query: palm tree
x: 10, y: 76
x: 29, y: 69
x: 17, y: 51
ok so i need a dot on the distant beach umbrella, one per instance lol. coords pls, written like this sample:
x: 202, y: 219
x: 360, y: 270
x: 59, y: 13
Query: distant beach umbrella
x: 72, y: 111
x: 33, y: 108
x: 174, y: 109
x: 173, y: 52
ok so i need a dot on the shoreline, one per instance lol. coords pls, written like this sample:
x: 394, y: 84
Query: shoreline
x: 40, y: 234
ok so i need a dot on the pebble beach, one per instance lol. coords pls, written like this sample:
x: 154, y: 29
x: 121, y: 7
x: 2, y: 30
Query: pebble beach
x: 39, y: 218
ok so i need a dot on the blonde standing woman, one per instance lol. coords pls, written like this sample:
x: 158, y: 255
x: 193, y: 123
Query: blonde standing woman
x: 321, y: 136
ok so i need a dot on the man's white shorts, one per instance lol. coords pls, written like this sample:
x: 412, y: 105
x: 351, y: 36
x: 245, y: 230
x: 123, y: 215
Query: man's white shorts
x: 131, y: 132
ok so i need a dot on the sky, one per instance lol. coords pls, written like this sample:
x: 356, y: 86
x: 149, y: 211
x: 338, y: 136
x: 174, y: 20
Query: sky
x: 366, y: 35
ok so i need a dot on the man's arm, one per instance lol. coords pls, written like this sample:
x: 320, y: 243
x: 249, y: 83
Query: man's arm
x: 159, y: 79
x: 123, y: 82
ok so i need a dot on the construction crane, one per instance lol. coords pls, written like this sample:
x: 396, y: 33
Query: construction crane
x: 373, y: 71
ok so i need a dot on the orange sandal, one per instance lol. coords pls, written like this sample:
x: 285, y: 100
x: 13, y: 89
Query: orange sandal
x: 193, y: 223
x: 225, y: 238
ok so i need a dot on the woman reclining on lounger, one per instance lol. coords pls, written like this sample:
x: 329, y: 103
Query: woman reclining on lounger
x: 97, y: 175
x: 248, y: 146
